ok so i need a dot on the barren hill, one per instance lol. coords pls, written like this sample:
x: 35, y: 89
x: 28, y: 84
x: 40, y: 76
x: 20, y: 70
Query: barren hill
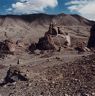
x: 43, y: 19
x: 34, y: 25
x: 48, y: 73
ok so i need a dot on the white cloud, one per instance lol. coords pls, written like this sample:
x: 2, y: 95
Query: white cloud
x: 86, y: 8
x: 9, y: 9
x: 32, y: 6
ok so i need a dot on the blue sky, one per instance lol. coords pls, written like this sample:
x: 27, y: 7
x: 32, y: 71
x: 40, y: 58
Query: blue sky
x: 85, y: 8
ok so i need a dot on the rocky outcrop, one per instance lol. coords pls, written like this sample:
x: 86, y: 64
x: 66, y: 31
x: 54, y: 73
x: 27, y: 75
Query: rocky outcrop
x: 14, y: 74
x: 91, y: 42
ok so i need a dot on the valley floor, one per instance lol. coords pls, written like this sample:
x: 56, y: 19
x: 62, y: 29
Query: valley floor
x: 51, y: 74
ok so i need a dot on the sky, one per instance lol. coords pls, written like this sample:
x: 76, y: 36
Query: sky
x: 85, y: 8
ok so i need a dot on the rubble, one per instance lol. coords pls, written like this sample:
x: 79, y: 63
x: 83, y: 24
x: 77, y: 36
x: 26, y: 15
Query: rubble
x: 13, y: 75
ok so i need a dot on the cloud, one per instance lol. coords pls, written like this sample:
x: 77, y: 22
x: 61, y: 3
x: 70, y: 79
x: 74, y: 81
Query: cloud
x: 32, y: 6
x: 85, y: 8
x: 9, y: 9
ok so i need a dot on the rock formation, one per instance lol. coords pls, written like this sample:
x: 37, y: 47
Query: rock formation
x: 91, y: 42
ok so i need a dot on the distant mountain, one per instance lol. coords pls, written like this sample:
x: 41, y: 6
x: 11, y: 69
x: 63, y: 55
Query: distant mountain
x: 44, y: 19
x: 33, y: 26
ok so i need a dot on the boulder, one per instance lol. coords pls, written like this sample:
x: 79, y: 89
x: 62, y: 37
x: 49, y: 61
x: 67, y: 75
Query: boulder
x: 13, y: 75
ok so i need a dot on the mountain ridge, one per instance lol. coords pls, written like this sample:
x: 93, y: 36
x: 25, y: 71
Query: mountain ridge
x: 41, y: 19
x: 33, y: 26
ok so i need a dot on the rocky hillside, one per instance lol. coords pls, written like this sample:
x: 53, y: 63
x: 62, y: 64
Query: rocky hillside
x: 33, y: 26
x: 43, y: 19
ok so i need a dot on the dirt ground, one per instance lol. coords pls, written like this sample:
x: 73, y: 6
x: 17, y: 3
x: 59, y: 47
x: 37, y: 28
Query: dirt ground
x: 64, y: 73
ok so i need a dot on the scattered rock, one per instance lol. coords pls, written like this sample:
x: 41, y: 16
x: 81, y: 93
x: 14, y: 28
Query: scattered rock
x: 13, y: 75
x: 37, y: 52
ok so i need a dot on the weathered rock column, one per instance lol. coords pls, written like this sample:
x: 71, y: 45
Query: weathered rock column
x: 91, y: 41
